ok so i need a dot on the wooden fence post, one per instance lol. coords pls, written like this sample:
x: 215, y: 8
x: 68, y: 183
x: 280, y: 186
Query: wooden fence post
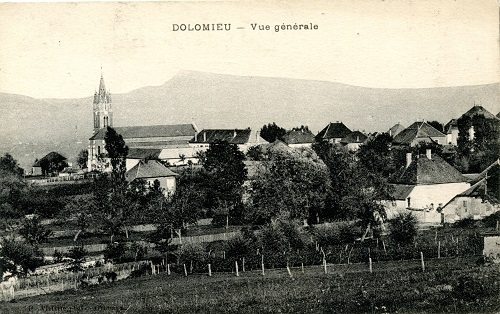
x: 370, y: 262
x: 243, y: 264
x: 383, y: 244
x: 168, y: 269
x: 262, y: 264
x: 324, y: 266
x: 422, y: 260
x: 185, y: 270
x: 289, y: 272
x: 209, y: 270
x: 302, y: 267
x: 439, y: 249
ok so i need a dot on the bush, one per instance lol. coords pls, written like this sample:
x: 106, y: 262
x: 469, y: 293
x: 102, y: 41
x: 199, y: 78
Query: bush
x: 115, y: 252
x: 403, y: 228
x: 336, y: 233
x: 77, y: 255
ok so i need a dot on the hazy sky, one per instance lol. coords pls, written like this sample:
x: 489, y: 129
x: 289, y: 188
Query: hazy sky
x: 56, y: 49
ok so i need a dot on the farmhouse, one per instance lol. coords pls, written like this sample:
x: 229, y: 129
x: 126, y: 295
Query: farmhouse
x: 480, y: 200
x: 419, y: 132
x: 152, y: 170
x: 424, y: 186
x: 333, y: 133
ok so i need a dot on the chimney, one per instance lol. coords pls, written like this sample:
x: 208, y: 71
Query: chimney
x: 428, y: 153
x: 205, y: 136
x: 234, y: 133
x: 408, y: 159
x: 196, y: 136
x: 257, y: 133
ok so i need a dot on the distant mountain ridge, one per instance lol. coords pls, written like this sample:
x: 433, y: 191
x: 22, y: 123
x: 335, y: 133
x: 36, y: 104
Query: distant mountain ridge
x: 227, y: 101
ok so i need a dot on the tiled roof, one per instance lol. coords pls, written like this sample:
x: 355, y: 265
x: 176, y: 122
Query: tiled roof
x: 418, y: 130
x: 298, y: 136
x: 143, y: 153
x: 354, y: 137
x: 149, y: 169
x: 428, y: 171
x: 232, y: 136
x: 479, y: 110
x: 395, y: 130
x: 49, y: 156
x: 401, y: 191
x: 333, y: 130
x: 149, y: 131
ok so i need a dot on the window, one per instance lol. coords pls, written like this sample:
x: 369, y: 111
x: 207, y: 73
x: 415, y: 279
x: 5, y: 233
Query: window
x: 465, y: 203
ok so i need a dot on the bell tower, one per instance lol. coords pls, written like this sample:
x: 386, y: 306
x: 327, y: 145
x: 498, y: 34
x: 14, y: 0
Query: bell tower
x: 103, y: 113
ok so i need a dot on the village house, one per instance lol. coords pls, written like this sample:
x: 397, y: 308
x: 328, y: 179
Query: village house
x: 424, y: 185
x: 354, y: 140
x: 477, y: 202
x: 152, y: 170
x: 419, y: 132
x: 299, y: 137
x: 451, y: 128
x: 333, y: 133
x: 243, y: 138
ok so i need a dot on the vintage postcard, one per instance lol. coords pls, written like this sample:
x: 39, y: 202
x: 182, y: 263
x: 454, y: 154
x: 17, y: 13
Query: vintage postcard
x: 249, y: 156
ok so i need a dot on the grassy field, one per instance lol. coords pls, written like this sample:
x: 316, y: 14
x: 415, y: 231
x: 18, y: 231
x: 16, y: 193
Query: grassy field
x: 447, y: 285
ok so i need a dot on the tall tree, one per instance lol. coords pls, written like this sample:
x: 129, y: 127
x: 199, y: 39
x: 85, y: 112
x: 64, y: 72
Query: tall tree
x: 9, y: 165
x: 19, y: 257
x: 272, y: 132
x: 291, y: 183
x: 82, y: 158
x: 376, y: 155
x: 356, y: 191
x: 33, y: 231
x: 117, y: 152
x: 226, y: 173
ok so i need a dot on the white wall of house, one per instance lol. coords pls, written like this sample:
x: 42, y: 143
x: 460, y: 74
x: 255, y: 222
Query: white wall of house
x: 168, y: 183
x: 308, y: 145
x: 434, y: 195
x: 468, y: 207
x: 451, y: 138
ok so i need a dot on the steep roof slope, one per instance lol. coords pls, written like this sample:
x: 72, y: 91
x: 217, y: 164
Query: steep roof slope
x: 148, y: 169
x: 477, y: 110
x: 428, y: 171
x: 333, y: 130
x: 232, y: 136
x: 418, y: 130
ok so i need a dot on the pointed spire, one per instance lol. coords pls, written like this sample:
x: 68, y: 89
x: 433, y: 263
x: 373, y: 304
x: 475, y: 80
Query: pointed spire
x: 102, y: 87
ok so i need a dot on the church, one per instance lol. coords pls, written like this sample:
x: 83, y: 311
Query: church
x: 166, y: 142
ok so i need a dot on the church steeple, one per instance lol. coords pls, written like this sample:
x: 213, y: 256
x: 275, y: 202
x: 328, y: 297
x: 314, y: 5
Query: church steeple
x: 103, y: 114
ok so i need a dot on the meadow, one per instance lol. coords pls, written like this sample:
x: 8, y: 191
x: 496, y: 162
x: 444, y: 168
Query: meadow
x: 457, y: 285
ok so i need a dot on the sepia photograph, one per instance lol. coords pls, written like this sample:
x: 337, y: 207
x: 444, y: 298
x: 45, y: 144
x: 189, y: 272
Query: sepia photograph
x: 250, y: 157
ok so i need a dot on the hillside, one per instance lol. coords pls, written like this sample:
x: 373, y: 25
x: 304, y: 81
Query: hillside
x: 226, y: 101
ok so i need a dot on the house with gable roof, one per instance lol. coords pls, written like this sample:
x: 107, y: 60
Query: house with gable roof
x: 152, y: 170
x: 243, y: 138
x: 480, y: 200
x: 451, y: 128
x: 333, y: 133
x: 419, y: 132
x: 424, y: 185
